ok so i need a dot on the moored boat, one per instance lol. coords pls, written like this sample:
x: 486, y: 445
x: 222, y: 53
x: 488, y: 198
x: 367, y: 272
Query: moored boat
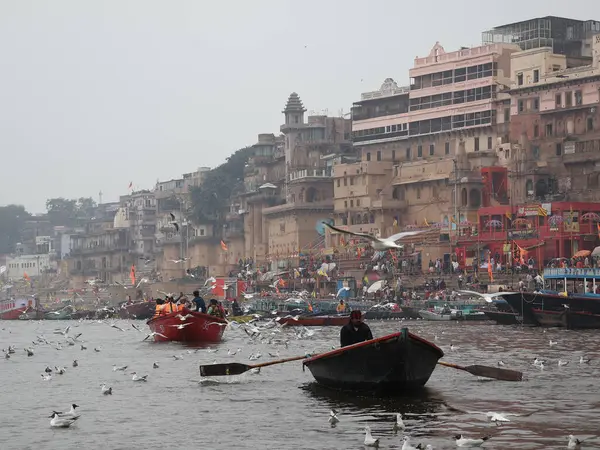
x: 314, y: 321
x: 60, y: 314
x: 504, y: 317
x: 572, y: 320
x: 138, y: 310
x: 195, y: 327
x: 12, y: 309
x: 391, y: 363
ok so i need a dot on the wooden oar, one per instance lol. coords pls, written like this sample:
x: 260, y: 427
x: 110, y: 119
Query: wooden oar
x: 218, y: 370
x: 487, y: 371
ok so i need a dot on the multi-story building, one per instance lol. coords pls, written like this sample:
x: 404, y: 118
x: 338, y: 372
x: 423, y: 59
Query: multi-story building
x: 292, y: 227
x: 141, y: 212
x: 418, y: 143
x: 33, y: 265
x: 101, y: 249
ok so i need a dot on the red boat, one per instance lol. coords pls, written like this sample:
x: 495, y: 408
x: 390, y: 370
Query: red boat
x: 12, y: 309
x: 313, y: 321
x: 187, y: 326
x: 139, y: 310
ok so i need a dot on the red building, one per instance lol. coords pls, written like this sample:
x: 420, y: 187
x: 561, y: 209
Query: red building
x: 545, y: 230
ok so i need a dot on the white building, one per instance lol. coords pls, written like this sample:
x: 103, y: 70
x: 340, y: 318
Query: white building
x: 32, y: 265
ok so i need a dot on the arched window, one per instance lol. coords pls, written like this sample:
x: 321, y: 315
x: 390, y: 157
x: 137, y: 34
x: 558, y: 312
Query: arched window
x: 463, y: 197
x: 474, y: 198
x: 311, y: 195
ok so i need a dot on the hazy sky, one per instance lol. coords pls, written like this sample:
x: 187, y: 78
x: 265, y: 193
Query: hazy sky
x: 97, y: 93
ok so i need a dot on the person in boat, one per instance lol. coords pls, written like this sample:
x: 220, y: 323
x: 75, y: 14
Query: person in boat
x: 199, y: 302
x: 170, y: 306
x: 341, y: 307
x: 183, y: 303
x: 355, y: 330
x: 159, y: 308
x: 214, y: 309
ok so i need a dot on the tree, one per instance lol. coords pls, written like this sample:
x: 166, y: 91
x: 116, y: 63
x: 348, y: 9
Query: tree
x: 85, y: 208
x: 214, y: 195
x: 61, y: 211
x: 12, y: 220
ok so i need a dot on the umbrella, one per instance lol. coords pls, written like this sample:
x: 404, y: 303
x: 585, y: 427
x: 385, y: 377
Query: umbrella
x: 596, y: 251
x: 520, y: 221
x: 493, y: 223
x: 377, y: 286
x: 555, y: 220
x: 591, y: 216
x: 582, y: 254
x: 466, y: 223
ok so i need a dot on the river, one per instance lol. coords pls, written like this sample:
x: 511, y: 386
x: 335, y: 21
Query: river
x: 281, y: 407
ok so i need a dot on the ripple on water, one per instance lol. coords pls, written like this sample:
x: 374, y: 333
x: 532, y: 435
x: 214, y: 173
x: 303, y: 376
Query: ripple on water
x: 282, y: 407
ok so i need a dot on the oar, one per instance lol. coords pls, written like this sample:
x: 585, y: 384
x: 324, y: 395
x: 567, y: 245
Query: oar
x: 488, y: 372
x: 217, y: 370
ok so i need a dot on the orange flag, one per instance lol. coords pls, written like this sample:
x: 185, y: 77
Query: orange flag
x: 26, y: 276
x: 223, y: 246
x: 132, y: 274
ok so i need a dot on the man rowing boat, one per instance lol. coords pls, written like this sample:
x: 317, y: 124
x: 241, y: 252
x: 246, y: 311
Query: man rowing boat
x: 355, y: 330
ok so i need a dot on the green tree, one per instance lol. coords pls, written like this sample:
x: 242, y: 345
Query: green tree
x: 85, y: 208
x: 61, y: 211
x: 12, y: 220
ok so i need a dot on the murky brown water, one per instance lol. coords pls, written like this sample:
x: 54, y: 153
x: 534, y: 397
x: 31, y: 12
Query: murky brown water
x: 281, y: 408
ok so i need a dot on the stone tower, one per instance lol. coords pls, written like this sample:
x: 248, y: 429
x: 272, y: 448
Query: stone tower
x: 292, y: 129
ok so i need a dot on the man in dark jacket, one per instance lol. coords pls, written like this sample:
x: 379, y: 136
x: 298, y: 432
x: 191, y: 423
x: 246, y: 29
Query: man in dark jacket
x: 355, y: 331
x: 199, y: 302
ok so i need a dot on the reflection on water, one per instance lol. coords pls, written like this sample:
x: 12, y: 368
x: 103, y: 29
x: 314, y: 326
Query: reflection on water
x: 281, y: 407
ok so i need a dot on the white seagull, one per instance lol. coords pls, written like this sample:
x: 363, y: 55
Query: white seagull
x: 399, y: 425
x: 341, y: 290
x: 574, y: 443
x: 154, y: 334
x: 333, y: 419
x: 562, y: 363
x: 182, y: 325
x: 136, y: 377
x: 120, y: 368
x: 583, y: 360
x: 106, y: 390
x: 369, y: 440
x: 466, y: 442
x: 497, y: 418
x: 378, y: 244
x: 406, y: 444
x: 59, y: 422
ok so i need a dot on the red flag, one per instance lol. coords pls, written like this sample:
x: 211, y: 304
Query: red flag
x: 130, y: 184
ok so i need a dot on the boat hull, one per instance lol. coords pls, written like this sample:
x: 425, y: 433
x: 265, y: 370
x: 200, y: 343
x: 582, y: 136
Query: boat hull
x: 504, y: 318
x: 314, y: 321
x: 140, y: 310
x: 12, y: 314
x: 384, y: 315
x: 392, y: 363
x: 436, y: 317
x: 58, y: 315
x: 202, y: 327
x: 567, y: 319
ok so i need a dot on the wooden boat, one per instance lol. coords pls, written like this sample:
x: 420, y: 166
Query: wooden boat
x: 454, y: 314
x: 139, y: 310
x: 504, y: 317
x: 314, y: 321
x: 201, y: 328
x: 572, y: 320
x: 391, y: 363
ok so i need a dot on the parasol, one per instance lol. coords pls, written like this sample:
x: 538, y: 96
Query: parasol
x: 591, y: 216
x: 555, y: 220
x: 493, y: 223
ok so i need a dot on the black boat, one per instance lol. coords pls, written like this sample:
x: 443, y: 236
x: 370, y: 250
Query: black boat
x: 572, y: 320
x: 391, y: 363
x: 504, y: 317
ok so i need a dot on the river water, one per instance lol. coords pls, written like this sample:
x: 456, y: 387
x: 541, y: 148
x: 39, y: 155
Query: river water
x: 281, y: 407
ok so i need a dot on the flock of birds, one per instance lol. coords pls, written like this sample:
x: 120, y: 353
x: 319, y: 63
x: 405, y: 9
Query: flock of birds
x: 269, y: 333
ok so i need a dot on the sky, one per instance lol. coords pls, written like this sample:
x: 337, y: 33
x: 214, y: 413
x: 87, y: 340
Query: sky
x: 96, y: 94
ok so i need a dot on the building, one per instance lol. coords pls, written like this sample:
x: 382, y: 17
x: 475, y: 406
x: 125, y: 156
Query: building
x: 101, y: 249
x: 306, y: 195
x: 555, y: 127
x: 34, y: 265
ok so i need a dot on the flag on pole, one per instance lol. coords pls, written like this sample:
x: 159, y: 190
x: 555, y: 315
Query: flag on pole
x: 130, y: 184
x: 223, y: 246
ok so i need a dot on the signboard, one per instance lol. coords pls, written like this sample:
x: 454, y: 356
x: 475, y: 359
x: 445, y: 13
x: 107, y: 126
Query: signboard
x: 544, y: 209
x: 523, y: 234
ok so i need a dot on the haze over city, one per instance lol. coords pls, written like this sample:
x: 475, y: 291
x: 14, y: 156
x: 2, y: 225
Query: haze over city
x: 100, y: 94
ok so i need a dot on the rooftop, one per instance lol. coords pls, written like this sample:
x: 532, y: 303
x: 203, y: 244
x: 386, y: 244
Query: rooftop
x: 294, y: 104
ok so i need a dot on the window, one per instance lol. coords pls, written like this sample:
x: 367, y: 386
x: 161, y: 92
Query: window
x: 535, y: 152
x: 558, y: 100
x: 351, y: 203
x: 558, y: 149
x: 521, y: 106
x: 549, y: 129
x: 489, y: 142
x: 345, y: 181
x: 506, y: 115
x: 476, y: 144
x: 431, y: 149
x: 419, y: 151
x: 378, y: 155
x: 447, y: 148
x: 535, y: 104
x: 394, y: 155
x: 408, y: 154
x: 536, y: 76
x: 351, y: 181
x: 345, y: 203
x: 358, y: 202
x: 590, y: 124
x: 536, y: 130
x: 578, y: 98
x: 368, y: 156
x: 568, y: 99
x: 338, y: 182
x: 418, y: 193
x: 520, y: 79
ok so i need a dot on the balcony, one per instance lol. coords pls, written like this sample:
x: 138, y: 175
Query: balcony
x: 310, y: 175
x: 581, y: 152
x: 389, y: 203
x: 326, y: 205
x: 98, y: 249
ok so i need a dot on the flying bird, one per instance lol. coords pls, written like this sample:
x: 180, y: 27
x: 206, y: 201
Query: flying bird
x: 378, y: 244
x: 173, y: 222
